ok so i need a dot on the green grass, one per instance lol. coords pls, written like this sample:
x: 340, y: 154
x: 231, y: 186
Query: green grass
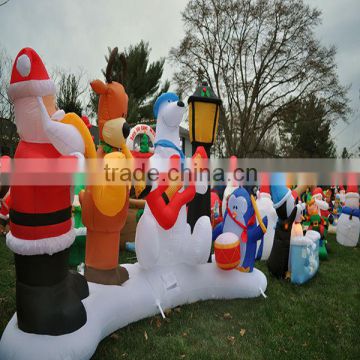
x: 318, y: 320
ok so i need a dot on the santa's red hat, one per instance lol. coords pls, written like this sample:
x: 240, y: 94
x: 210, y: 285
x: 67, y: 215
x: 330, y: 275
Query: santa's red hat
x: 316, y: 192
x: 29, y: 76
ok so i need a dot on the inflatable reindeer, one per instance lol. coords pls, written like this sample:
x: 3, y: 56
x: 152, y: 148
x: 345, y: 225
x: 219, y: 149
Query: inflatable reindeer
x: 104, y: 207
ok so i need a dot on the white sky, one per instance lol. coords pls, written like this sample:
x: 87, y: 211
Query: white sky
x: 76, y: 33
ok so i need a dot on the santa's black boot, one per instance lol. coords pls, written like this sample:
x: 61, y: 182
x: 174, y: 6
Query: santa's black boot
x: 48, y: 300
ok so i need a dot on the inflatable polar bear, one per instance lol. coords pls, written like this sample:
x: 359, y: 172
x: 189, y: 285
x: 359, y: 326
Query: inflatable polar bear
x: 154, y: 244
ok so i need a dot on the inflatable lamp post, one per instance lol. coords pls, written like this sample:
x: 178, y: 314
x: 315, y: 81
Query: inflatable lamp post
x: 204, y: 111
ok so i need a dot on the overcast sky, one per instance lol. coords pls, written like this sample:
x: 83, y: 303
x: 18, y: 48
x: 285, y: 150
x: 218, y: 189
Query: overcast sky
x: 76, y: 33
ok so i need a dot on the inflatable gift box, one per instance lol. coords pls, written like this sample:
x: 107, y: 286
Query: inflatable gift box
x: 304, y: 257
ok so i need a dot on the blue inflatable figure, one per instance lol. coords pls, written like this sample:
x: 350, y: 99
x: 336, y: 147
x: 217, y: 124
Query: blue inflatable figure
x: 240, y: 219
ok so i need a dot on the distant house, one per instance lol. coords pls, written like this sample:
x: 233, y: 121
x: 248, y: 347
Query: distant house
x: 185, y: 141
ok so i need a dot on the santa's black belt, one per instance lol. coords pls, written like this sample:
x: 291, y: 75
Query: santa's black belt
x: 40, y: 219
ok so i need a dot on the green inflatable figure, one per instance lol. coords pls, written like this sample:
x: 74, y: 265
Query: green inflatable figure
x: 317, y: 223
x: 77, y: 249
x: 144, y: 144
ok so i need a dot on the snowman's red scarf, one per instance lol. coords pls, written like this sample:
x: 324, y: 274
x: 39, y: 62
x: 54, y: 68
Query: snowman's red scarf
x: 244, y: 234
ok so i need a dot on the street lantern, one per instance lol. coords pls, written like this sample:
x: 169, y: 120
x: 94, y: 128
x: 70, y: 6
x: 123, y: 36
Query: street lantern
x: 204, y: 111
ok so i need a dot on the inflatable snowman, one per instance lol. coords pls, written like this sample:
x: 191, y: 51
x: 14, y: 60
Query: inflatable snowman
x: 266, y: 209
x: 348, y: 226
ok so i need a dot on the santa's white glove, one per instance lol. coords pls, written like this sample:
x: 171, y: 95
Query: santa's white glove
x: 58, y: 115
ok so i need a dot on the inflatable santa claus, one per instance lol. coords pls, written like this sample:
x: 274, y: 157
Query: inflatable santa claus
x: 319, y: 197
x: 48, y: 296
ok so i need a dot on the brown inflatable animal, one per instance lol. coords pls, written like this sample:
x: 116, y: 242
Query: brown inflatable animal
x: 104, y: 207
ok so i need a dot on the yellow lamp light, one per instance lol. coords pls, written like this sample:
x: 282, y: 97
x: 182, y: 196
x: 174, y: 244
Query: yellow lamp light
x: 204, y: 111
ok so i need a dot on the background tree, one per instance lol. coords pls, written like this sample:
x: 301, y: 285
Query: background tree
x: 305, y: 130
x: 69, y: 97
x: 260, y: 56
x: 8, y: 132
x: 6, y: 106
x: 345, y: 153
x: 142, y: 81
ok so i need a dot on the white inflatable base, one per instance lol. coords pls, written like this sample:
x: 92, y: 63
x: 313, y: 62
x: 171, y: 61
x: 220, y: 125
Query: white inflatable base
x: 110, y: 308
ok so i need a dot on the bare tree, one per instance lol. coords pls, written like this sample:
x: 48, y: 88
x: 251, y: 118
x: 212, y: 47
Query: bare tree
x: 259, y: 56
x: 6, y: 107
x: 4, y: 2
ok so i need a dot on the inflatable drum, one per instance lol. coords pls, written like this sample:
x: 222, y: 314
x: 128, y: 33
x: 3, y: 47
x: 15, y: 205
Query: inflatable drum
x: 227, y: 251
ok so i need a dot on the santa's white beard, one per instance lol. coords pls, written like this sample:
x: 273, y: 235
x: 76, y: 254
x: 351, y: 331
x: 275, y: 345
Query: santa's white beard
x: 28, y: 120
x: 322, y: 205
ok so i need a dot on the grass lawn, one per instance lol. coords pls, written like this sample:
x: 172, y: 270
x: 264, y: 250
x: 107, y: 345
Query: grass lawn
x: 318, y: 320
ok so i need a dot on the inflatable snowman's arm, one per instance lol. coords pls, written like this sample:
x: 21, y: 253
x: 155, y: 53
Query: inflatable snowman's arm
x: 64, y: 137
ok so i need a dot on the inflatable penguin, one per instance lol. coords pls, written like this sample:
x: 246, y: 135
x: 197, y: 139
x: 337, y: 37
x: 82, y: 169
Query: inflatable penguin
x: 48, y: 296
x: 348, y: 226
x: 266, y: 209
x: 240, y: 219
x: 288, y: 210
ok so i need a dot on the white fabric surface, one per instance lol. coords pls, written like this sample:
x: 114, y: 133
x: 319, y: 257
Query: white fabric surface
x: 169, y: 286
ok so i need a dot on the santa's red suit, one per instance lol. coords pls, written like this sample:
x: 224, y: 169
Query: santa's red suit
x: 39, y: 213
x: 40, y: 216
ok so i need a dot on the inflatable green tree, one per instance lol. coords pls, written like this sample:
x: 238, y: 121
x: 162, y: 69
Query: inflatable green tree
x: 144, y: 144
